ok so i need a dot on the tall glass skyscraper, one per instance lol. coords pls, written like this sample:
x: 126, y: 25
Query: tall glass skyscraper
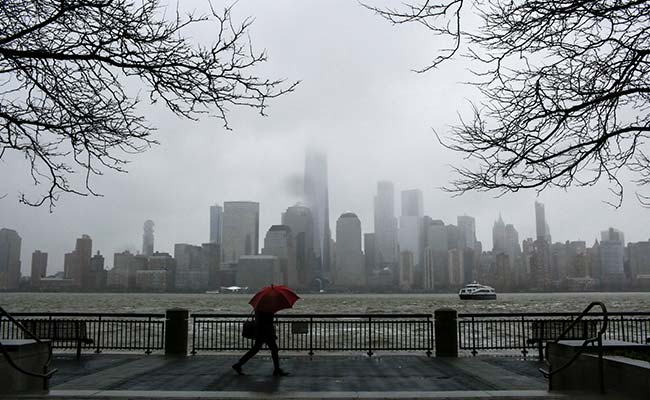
x: 317, y: 199
x: 385, y: 224
x: 241, y: 224
x: 216, y: 224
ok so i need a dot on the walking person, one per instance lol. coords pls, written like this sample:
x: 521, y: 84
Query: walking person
x: 266, y: 303
x: 265, y: 335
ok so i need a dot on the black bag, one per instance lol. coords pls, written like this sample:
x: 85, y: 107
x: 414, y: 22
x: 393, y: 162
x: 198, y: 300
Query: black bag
x: 249, y: 329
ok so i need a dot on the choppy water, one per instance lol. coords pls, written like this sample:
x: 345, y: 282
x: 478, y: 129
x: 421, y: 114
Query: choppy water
x: 318, y: 303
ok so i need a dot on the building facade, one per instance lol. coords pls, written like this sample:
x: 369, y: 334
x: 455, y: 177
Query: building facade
x: 350, y: 269
x: 241, y: 222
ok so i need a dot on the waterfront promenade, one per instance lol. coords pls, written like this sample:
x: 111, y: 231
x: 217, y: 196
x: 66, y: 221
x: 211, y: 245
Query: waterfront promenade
x: 332, y: 376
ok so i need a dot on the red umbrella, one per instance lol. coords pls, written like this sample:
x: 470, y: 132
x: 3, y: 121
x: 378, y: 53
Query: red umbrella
x: 273, y: 299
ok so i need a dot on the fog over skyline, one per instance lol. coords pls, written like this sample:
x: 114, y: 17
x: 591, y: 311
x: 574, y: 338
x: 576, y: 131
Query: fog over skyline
x: 358, y: 101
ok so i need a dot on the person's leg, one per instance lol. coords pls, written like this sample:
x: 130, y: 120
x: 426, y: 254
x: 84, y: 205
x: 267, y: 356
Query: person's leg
x: 249, y: 354
x: 273, y: 346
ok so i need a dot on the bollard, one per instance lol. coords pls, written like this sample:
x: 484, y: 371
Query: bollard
x: 176, y: 332
x: 446, y: 332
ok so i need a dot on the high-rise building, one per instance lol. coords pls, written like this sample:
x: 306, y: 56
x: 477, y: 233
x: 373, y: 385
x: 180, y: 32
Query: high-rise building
x: 410, y: 223
x: 412, y: 203
x: 406, y: 269
x: 299, y: 220
x: 39, y: 267
x: 512, y: 247
x: 10, y: 243
x: 467, y: 232
x: 541, y: 225
x: 216, y: 224
x: 147, y: 238
x: 349, y: 270
x: 639, y: 259
x: 436, y: 271
x: 370, y: 252
x: 317, y: 199
x: 385, y: 224
x: 279, y: 242
x: 241, y: 221
x: 95, y: 278
x: 255, y: 272
x: 499, y: 236
x: 76, y: 264
x: 612, y: 254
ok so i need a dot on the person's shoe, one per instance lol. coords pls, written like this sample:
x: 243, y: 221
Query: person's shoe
x: 237, y: 369
x: 280, y: 372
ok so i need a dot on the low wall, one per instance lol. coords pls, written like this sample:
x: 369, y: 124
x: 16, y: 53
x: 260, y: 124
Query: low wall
x: 623, y: 376
x: 28, y: 355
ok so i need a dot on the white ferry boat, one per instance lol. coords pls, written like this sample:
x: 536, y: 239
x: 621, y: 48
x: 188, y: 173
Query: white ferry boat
x: 476, y: 291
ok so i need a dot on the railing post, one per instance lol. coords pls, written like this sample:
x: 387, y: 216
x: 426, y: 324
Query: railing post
x: 148, y: 351
x: 523, y: 336
x: 369, y: 336
x: 446, y: 331
x: 194, y: 335
x: 176, y: 332
x: 99, y: 336
x: 311, y: 336
x: 474, y: 352
x: 430, y: 334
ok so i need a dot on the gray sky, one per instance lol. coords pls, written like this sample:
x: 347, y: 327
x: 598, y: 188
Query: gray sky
x: 358, y: 100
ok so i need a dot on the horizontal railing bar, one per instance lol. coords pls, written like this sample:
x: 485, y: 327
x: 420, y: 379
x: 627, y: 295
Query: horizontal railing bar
x: 550, y: 314
x: 86, y: 314
x: 325, y: 315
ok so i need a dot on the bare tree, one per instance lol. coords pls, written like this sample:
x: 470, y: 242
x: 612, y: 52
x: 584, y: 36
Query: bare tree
x: 64, y: 67
x: 566, y: 85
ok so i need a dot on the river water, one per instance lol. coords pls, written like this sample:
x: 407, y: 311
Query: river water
x: 318, y: 303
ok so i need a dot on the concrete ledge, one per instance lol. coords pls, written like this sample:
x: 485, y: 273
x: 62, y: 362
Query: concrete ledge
x: 28, y: 355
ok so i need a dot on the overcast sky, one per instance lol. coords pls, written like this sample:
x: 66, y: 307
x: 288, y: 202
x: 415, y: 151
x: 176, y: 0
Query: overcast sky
x: 358, y: 101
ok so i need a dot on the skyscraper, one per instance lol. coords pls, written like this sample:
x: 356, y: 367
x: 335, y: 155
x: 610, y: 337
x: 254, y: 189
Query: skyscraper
x: 499, y: 236
x: 39, y: 267
x: 10, y: 243
x: 147, y: 238
x: 467, y: 230
x: 541, y: 226
x: 317, y: 199
x: 299, y: 220
x: 410, y: 223
x: 279, y: 242
x: 241, y: 221
x: 385, y: 224
x: 216, y: 224
x: 349, y: 271
x: 76, y: 264
x: 612, y: 253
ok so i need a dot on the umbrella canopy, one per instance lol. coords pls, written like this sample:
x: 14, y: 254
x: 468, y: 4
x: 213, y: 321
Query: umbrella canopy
x: 273, y: 299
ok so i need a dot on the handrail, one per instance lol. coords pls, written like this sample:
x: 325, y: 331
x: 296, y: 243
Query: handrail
x: 598, y: 338
x: 49, y: 372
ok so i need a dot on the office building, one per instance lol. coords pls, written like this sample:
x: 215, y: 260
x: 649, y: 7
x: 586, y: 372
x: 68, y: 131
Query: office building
x: 385, y: 225
x: 39, y: 267
x: 279, y: 242
x: 10, y: 243
x: 216, y: 224
x: 241, y: 221
x: 410, y: 223
x: 466, y: 232
x: 350, y: 269
x: 317, y: 199
x: 147, y: 238
x: 299, y: 220
x: 255, y: 272
x: 612, y: 255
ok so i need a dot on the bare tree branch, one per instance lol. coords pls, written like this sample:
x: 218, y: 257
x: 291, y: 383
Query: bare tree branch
x: 63, y: 69
x: 566, y: 87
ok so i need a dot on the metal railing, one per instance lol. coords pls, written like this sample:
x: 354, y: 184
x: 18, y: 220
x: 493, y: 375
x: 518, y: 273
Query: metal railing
x: 597, y: 338
x: 47, y: 371
x: 107, y: 331
x: 320, y: 332
x: 517, y: 331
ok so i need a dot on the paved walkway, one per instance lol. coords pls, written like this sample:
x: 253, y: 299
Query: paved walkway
x: 323, y: 376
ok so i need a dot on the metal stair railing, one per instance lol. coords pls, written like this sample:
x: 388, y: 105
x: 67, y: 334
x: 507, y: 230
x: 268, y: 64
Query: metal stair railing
x: 596, y: 339
x: 47, y: 372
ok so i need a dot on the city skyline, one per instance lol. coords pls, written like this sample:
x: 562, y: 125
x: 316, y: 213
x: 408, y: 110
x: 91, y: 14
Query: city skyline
x: 374, y: 119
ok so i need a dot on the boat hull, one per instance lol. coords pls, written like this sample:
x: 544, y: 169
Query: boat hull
x: 481, y: 296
